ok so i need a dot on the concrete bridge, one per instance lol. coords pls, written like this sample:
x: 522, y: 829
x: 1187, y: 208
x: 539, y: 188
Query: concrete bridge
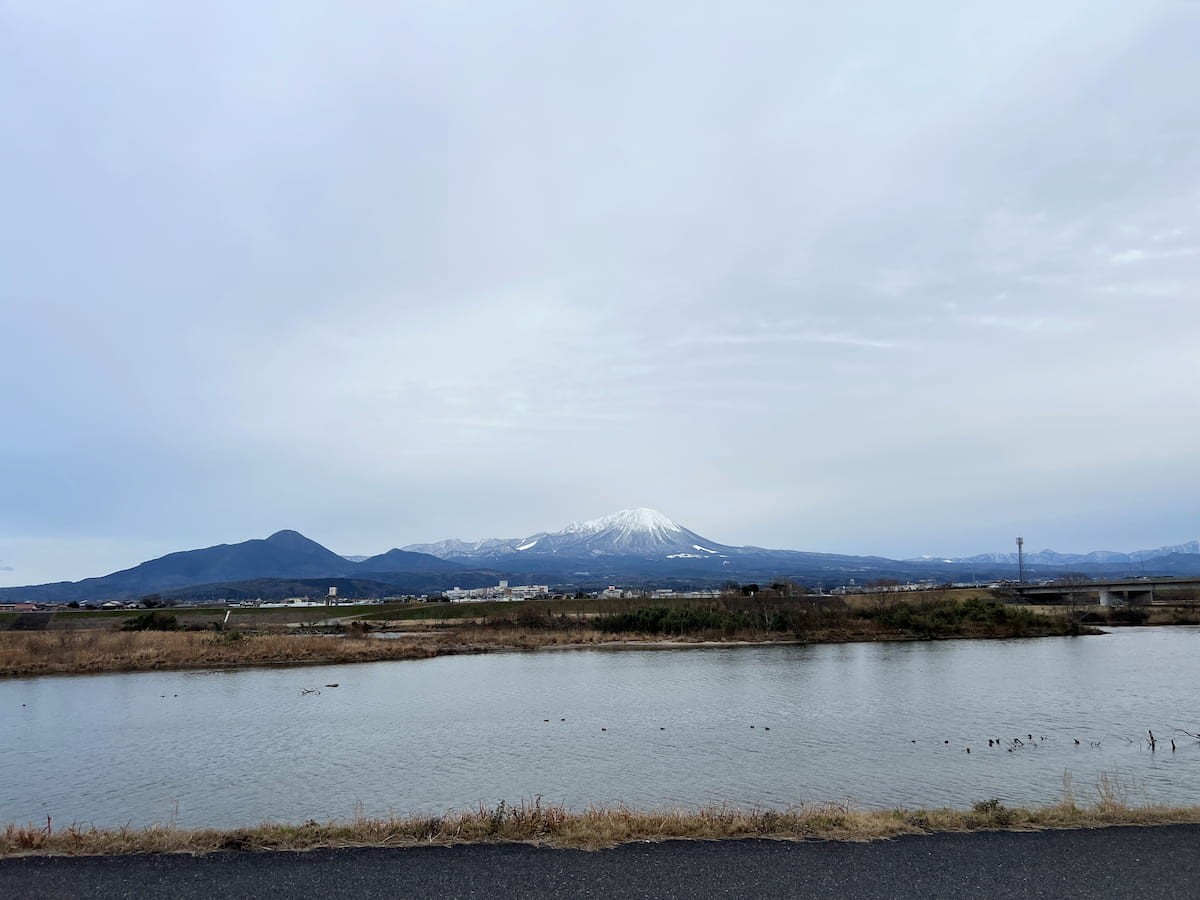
x: 1111, y: 592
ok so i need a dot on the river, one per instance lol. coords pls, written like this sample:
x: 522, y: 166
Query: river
x: 872, y: 725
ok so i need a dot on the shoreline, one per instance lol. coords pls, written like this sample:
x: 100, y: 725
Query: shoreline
x: 558, y: 827
x: 134, y: 652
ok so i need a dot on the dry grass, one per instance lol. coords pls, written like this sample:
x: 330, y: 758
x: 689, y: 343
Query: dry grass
x: 24, y: 654
x: 56, y: 652
x: 94, y: 650
x: 81, y: 643
x: 493, y: 637
x: 557, y: 826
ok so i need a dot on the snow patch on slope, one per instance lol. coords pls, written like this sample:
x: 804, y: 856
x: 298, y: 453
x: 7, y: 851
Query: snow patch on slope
x: 627, y: 522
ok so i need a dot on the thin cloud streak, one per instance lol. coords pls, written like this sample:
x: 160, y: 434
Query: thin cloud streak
x: 1137, y: 255
x: 761, y: 339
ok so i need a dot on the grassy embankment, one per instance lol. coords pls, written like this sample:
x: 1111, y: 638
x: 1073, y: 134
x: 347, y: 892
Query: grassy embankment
x: 557, y: 826
x: 93, y: 651
x: 763, y: 618
x: 196, y: 638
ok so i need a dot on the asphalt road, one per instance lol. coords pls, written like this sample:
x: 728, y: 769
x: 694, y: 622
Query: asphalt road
x: 1111, y: 862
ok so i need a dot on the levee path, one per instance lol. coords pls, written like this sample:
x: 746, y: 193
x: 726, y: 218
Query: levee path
x: 1104, y: 862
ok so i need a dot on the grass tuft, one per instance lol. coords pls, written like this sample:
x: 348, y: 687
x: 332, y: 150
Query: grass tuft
x: 533, y: 821
x: 95, y: 650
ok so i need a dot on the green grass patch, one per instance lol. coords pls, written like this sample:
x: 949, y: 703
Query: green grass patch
x: 937, y: 617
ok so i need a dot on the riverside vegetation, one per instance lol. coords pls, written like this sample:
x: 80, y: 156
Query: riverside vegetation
x: 596, y: 827
x: 198, y: 638
x: 432, y: 629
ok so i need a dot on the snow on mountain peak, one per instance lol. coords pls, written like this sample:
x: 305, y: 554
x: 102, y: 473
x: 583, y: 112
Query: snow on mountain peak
x: 627, y: 522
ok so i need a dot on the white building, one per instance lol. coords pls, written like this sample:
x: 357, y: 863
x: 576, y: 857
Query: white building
x: 502, y: 591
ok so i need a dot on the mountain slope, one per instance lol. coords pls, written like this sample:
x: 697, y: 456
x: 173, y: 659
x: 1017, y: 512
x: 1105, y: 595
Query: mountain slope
x: 631, y: 532
x: 404, y: 561
x: 645, y: 545
x: 283, y: 555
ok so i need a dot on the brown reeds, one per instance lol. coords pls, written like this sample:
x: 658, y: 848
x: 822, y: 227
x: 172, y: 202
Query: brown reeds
x: 56, y: 652
x: 24, y: 654
x: 521, y: 626
x: 95, y: 650
x: 557, y: 826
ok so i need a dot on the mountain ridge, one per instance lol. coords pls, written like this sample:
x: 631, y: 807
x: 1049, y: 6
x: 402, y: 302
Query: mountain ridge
x: 660, y: 533
x: 1053, y: 558
x: 635, y: 532
x: 286, y: 554
x: 638, y: 546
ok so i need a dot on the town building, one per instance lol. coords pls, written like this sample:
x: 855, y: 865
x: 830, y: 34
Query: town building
x: 502, y: 591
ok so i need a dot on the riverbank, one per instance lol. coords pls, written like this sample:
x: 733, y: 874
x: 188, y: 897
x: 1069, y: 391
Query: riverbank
x: 556, y: 826
x: 96, y: 651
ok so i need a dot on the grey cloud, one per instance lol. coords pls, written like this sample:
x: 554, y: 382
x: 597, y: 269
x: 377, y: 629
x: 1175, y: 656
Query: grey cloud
x: 435, y: 269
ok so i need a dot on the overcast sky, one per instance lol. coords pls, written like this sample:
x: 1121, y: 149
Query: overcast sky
x: 860, y: 277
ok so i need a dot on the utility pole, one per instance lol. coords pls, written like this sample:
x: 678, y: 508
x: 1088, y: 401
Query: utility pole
x: 1020, y: 560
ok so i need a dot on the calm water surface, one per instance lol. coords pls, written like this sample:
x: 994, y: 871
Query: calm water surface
x: 874, y: 724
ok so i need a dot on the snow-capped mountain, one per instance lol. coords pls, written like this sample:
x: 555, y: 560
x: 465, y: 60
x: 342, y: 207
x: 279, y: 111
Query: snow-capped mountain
x: 1051, y: 558
x: 634, y: 546
x: 643, y: 542
x: 453, y: 548
x: 631, y: 532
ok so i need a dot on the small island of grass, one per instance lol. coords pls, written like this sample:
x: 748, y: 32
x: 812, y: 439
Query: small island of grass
x: 189, y: 638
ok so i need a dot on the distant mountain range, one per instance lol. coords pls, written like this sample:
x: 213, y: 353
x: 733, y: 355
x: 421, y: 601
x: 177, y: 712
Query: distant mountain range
x: 635, y: 547
x: 1100, y: 557
x: 286, y: 556
x: 646, y: 533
